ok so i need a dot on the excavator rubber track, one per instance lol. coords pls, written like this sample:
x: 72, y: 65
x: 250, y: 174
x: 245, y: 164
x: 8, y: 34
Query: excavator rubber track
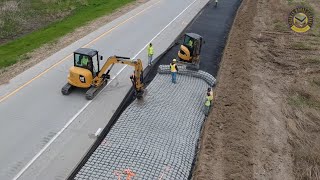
x: 93, y: 91
x: 66, y: 89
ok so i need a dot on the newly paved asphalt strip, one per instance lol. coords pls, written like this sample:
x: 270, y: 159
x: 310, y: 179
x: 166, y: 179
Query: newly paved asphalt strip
x: 213, y: 24
x: 33, y: 112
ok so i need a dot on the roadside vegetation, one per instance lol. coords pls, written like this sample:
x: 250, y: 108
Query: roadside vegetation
x: 29, y: 24
x: 303, y: 98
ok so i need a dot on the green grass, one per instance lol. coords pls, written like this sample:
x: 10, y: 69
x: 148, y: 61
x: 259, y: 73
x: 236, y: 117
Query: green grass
x: 301, y: 46
x: 301, y: 99
x: 81, y: 14
x: 280, y: 26
x: 316, y: 81
x: 315, y: 29
x: 313, y: 60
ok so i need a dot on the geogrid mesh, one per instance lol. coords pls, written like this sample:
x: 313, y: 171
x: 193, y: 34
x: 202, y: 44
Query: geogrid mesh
x: 154, y: 137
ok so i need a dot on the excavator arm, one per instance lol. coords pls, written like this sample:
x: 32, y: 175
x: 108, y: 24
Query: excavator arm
x: 106, y: 68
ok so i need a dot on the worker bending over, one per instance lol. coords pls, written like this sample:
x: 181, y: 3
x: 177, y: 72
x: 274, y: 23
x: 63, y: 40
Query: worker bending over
x: 207, y: 104
x: 211, y: 94
x: 208, y: 101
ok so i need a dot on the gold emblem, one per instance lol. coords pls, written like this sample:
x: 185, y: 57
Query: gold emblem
x: 300, y: 20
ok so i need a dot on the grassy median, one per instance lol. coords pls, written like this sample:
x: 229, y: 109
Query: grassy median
x: 27, y: 25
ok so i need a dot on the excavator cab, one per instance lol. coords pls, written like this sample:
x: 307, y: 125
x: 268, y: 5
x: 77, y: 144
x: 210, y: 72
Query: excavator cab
x: 85, y: 68
x: 190, y: 49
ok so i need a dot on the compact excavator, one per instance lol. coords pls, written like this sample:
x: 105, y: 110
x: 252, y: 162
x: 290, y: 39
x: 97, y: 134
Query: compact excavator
x: 85, y: 74
x: 190, y: 49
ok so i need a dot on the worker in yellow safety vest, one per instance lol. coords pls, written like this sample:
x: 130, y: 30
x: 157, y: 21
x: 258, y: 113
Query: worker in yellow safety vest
x: 150, y: 54
x: 211, y: 94
x: 207, y: 104
x: 190, y: 43
x: 174, y: 70
x: 84, y: 61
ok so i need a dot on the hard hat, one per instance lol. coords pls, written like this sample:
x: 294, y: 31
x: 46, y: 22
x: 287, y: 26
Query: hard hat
x: 174, y: 60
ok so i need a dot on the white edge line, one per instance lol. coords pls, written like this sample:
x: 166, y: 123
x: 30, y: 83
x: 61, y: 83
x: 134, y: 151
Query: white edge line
x: 89, y: 102
x: 164, y: 28
x: 98, y: 132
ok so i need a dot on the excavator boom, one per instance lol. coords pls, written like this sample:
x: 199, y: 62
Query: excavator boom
x: 103, y: 75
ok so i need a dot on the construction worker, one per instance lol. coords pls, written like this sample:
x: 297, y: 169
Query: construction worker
x: 207, y: 104
x: 133, y: 79
x: 84, y: 61
x: 150, y: 54
x: 216, y: 3
x: 211, y: 94
x: 190, y: 43
x: 174, y: 70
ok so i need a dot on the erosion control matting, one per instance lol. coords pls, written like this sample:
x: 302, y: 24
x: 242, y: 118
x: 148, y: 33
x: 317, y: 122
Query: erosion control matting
x: 211, y: 23
x: 157, y: 136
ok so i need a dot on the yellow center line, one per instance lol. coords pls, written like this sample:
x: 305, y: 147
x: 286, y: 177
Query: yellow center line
x: 62, y: 60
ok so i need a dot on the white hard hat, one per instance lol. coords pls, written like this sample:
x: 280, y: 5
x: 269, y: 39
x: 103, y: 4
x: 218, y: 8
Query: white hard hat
x: 174, y: 60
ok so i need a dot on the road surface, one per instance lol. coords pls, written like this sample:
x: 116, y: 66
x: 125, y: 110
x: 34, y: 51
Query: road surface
x: 44, y: 134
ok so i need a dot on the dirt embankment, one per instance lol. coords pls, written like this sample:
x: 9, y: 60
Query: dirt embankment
x: 226, y: 147
x: 265, y: 123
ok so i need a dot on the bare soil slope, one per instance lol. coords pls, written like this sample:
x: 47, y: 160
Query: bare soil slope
x: 265, y: 122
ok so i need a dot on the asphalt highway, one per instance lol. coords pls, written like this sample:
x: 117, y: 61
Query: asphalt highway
x: 44, y: 134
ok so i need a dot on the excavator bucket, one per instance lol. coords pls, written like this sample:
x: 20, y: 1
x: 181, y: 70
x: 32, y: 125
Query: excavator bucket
x: 193, y: 67
x: 139, y: 94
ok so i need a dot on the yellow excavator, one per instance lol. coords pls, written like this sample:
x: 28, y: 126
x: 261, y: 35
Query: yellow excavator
x: 190, y: 50
x: 84, y: 74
